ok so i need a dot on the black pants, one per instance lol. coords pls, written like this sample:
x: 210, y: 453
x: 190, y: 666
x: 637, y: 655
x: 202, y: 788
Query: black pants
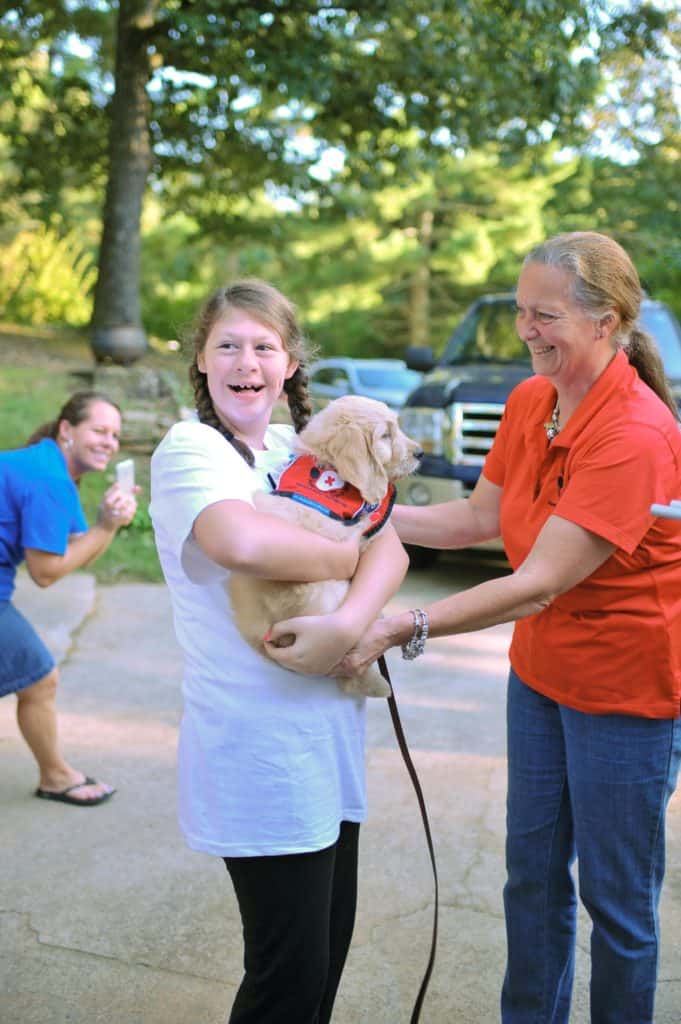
x: 298, y: 913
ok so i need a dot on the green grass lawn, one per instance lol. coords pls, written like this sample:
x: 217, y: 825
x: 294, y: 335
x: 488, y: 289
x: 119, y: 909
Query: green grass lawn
x: 27, y: 399
x: 31, y: 395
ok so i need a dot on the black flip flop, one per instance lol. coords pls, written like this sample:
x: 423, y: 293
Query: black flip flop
x: 64, y: 795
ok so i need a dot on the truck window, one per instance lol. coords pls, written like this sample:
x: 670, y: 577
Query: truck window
x: 487, y: 334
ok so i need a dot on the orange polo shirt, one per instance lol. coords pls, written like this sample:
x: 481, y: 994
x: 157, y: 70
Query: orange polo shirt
x: 612, y: 644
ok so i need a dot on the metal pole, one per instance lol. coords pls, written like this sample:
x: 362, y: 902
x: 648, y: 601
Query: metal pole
x: 670, y: 511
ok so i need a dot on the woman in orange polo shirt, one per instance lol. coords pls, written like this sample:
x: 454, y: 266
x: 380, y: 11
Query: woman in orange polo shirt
x: 594, y: 736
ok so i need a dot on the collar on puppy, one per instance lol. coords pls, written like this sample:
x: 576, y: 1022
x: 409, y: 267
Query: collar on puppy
x: 321, y: 488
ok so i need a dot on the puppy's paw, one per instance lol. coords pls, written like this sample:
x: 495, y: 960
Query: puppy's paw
x: 371, y: 684
x: 287, y: 640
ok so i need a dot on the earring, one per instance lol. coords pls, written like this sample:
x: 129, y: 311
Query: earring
x: 68, y: 443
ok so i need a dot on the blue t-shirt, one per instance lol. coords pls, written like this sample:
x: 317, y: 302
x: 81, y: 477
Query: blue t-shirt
x: 39, y: 507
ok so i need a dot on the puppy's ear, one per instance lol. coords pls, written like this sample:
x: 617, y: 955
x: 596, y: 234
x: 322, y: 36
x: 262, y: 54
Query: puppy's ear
x: 337, y: 437
x: 352, y: 453
x: 312, y: 438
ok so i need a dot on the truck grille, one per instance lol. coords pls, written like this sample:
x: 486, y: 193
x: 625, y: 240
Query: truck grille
x: 474, y: 425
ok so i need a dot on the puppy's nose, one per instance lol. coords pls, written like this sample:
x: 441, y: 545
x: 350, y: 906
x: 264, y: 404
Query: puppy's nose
x: 419, y: 453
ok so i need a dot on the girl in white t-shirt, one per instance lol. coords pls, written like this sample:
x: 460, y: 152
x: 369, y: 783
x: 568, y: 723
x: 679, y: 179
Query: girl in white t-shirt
x: 271, y: 763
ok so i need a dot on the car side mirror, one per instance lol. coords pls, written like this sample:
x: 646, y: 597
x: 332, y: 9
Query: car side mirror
x: 419, y: 357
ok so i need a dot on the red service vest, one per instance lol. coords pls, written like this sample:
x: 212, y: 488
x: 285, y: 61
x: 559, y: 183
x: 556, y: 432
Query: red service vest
x: 322, y: 489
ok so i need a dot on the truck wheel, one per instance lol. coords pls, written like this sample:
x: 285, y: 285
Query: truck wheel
x: 421, y: 558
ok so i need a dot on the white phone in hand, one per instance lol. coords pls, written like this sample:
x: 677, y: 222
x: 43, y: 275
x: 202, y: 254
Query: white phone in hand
x: 125, y: 475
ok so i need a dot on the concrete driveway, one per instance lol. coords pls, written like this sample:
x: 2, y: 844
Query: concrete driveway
x: 107, y: 918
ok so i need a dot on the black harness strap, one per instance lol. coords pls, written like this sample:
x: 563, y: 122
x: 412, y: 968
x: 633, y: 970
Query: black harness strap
x: 404, y: 749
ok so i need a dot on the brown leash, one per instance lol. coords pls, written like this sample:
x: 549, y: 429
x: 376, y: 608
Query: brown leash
x: 404, y: 750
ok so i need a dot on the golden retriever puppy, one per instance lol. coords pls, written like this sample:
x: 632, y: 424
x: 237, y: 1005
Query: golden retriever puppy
x: 350, y: 454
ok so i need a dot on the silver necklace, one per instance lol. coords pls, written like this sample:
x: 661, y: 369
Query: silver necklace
x: 553, y: 426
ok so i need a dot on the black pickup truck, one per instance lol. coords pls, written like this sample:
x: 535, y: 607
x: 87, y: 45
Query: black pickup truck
x: 455, y: 412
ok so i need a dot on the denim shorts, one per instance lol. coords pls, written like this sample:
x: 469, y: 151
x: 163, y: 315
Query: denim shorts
x: 24, y: 658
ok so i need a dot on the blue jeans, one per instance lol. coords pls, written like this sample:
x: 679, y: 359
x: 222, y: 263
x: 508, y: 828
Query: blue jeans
x: 594, y: 787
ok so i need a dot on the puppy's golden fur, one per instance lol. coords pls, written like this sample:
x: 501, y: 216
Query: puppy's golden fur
x: 360, y: 439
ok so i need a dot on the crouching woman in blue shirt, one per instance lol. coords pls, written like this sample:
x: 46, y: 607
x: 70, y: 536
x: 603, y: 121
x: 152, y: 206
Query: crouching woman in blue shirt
x: 42, y: 523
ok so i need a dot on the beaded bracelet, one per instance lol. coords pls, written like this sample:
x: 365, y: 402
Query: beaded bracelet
x: 416, y: 644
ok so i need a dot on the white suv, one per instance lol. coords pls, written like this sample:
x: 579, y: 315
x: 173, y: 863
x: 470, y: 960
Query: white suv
x: 387, y: 380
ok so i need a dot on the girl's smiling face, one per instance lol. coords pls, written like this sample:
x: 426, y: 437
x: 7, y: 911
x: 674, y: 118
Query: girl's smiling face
x: 246, y: 364
x: 565, y: 344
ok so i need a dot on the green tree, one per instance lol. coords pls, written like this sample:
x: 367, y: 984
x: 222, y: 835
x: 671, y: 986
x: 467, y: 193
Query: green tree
x: 637, y: 202
x: 215, y: 100
x: 384, y: 269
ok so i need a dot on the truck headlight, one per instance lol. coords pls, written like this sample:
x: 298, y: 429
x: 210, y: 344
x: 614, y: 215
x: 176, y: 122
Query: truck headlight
x: 425, y: 426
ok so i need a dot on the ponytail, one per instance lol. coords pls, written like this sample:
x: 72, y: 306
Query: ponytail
x: 48, y: 429
x: 646, y: 360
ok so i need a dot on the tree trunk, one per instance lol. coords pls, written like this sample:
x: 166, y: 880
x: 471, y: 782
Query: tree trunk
x: 116, y: 330
x: 419, y: 298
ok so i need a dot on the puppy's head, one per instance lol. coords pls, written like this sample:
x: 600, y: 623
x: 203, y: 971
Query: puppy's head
x: 361, y: 440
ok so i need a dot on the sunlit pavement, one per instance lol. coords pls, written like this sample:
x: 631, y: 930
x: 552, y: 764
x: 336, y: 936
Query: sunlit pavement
x: 107, y: 918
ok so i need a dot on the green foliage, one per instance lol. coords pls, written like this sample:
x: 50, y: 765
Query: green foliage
x: 638, y: 204
x: 173, y: 277
x: 248, y: 94
x: 245, y: 97
x: 354, y: 269
x: 412, y: 256
x: 446, y: 179
x: 53, y: 98
x: 28, y: 398
x: 46, y: 278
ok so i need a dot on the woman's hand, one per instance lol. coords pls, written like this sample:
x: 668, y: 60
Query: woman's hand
x: 375, y: 642
x: 310, y: 644
x: 117, y: 508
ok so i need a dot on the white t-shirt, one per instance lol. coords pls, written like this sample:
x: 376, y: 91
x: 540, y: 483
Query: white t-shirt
x: 270, y: 762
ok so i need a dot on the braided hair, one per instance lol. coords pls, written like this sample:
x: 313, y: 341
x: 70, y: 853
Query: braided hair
x: 266, y: 304
x: 605, y: 281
